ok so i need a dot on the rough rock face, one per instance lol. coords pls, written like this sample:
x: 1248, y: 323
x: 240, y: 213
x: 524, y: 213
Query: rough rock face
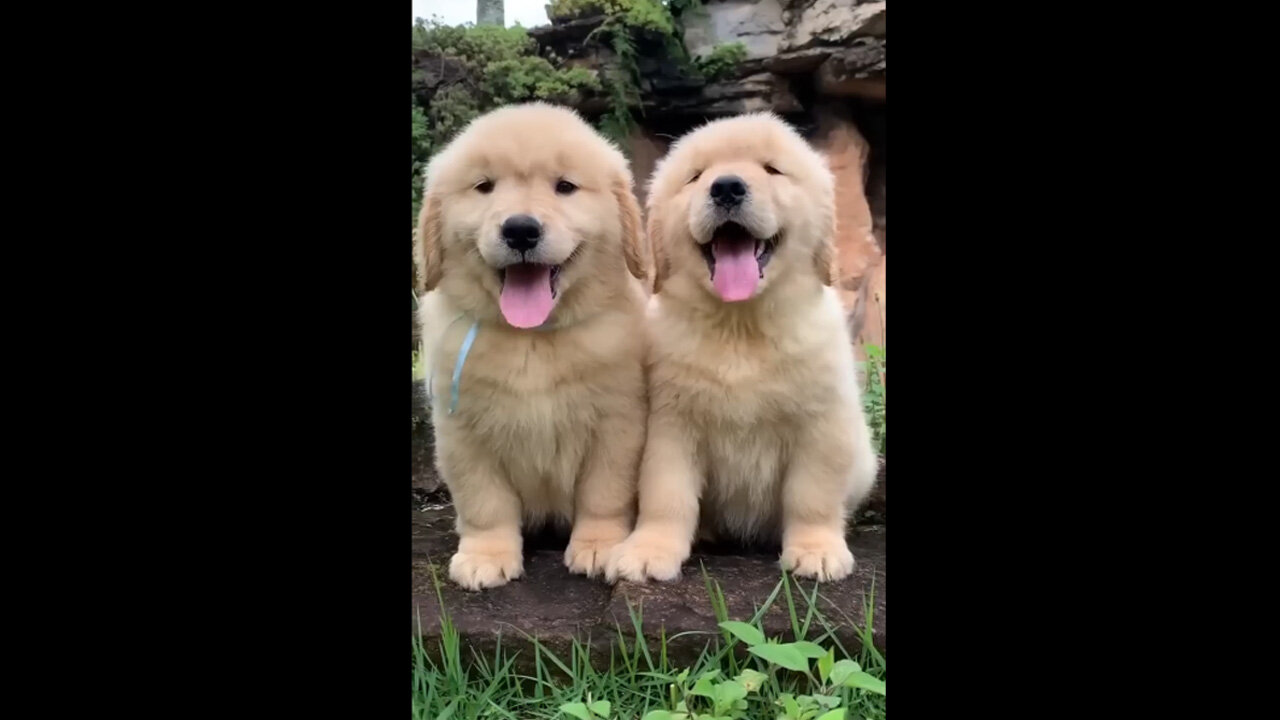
x: 430, y: 72
x: 757, y: 24
x: 856, y: 245
x: 855, y: 71
x: 831, y: 23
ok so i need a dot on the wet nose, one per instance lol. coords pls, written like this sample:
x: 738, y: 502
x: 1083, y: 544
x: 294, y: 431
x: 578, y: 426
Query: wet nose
x: 728, y: 190
x: 522, y: 232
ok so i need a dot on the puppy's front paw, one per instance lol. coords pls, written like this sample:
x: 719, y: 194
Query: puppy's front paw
x: 822, y: 556
x: 493, y: 568
x: 647, y: 555
x: 590, y: 548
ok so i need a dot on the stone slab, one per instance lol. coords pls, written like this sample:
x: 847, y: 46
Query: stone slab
x: 555, y: 606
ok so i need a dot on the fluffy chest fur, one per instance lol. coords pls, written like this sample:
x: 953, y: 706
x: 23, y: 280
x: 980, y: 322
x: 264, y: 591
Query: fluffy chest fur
x: 749, y: 392
x: 532, y: 400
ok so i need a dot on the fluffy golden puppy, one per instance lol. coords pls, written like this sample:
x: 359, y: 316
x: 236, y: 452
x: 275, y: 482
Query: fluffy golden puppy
x: 756, y: 429
x: 530, y: 248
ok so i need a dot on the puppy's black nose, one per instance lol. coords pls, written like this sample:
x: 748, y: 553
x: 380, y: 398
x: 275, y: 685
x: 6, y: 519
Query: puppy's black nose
x: 728, y: 190
x: 522, y: 232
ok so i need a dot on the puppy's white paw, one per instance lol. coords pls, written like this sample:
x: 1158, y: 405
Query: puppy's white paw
x: 589, y: 556
x: 825, y: 557
x: 494, y: 568
x: 592, y: 545
x: 647, y: 555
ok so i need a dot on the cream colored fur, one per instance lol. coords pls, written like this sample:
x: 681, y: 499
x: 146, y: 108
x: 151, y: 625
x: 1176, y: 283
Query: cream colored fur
x: 756, y: 430
x: 550, y: 423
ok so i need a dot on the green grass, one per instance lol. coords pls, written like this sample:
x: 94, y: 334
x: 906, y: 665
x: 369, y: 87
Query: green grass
x: 419, y: 366
x: 873, y: 394
x: 818, y: 680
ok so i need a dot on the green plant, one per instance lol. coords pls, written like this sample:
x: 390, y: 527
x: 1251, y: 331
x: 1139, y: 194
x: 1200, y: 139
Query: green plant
x: 419, y: 366
x: 638, y: 681
x: 873, y: 394
x: 623, y: 81
x: 642, y: 14
x: 721, y: 62
x: 532, y: 77
x: 728, y: 699
x: 421, y: 151
x: 624, y: 21
x: 588, y: 710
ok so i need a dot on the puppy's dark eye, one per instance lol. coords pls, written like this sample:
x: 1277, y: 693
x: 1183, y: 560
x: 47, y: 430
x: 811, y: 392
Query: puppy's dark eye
x: 772, y: 170
x: 695, y: 177
x: 564, y: 187
x: 485, y: 186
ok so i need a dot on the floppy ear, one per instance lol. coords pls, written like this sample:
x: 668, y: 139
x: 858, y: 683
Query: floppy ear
x: 661, y: 265
x: 632, y: 228
x: 428, y: 253
x: 825, y: 258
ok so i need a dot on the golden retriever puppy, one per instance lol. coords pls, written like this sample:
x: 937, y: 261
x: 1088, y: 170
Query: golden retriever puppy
x: 756, y: 430
x: 530, y: 248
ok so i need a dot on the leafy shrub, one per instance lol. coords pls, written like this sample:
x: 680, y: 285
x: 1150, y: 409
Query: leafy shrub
x: 650, y: 15
x: 873, y: 394
x: 722, y: 60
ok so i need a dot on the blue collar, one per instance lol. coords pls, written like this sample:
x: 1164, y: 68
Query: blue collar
x: 457, y: 366
x: 467, y: 342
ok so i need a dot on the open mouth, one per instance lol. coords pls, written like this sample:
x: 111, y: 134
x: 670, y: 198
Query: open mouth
x: 736, y: 259
x: 528, y: 293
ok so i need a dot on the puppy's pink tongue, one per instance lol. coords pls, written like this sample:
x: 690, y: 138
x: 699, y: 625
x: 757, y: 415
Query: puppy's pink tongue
x: 737, y: 271
x: 526, y: 295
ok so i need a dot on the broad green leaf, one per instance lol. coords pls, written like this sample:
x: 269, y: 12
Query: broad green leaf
x: 837, y: 714
x: 866, y: 682
x: 808, y: 649
x: 601, y: 708
x: 826, y: 701
x: 752, y: 680
x: 704, y: 688
x: 664, y: 715
x: 790, y: 705
x: 578, y: 710
x: 748, y: 634
x: 728, y: 691
x: 842, y: 670
x: 784, y: 655
x: 825, y: 663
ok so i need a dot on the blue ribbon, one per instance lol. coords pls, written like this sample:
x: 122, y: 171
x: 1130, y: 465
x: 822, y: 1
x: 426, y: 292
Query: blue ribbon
x: 457, y: 367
